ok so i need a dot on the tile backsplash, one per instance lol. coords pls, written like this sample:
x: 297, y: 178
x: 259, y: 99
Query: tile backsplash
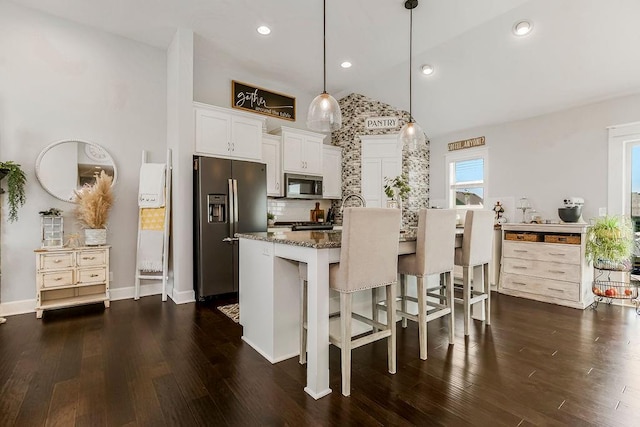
x: 295, y: 210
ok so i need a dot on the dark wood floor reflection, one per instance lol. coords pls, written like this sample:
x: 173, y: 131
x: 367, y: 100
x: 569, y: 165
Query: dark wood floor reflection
x: 153, y: 363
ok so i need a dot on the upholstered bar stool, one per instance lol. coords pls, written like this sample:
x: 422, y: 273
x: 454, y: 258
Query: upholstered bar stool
x: 476, y: 251
x: 435, y: 247
x: 368, y: 259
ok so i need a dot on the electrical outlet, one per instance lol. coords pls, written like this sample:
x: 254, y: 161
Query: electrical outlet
x: 602, y: 211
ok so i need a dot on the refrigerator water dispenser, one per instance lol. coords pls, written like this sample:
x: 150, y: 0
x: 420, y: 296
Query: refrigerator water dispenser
x: 217, y: 207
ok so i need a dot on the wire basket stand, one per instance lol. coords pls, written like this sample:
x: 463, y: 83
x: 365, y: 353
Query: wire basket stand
x: 606, y: 290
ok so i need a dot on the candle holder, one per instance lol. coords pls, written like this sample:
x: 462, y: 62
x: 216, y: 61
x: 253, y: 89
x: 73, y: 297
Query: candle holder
x: 524, y: 207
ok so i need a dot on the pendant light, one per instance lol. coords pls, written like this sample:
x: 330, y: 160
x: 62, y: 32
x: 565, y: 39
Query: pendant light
x: 411, y: 134
x: 324, y: 112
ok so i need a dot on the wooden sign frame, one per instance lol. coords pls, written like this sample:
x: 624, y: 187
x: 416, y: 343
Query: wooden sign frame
x: 262, y: 101
x: 466, y: 143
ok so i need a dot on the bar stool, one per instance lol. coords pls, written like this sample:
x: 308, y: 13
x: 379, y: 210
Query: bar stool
x: 368, y: 260
x: 476, y: 251
x: 435, y: 247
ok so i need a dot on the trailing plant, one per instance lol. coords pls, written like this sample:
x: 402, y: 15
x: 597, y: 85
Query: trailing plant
x: 397, y: 186
x: 16, y: 182
x: 93, y: 202
x: 609, y: 239
x: 270, y: 215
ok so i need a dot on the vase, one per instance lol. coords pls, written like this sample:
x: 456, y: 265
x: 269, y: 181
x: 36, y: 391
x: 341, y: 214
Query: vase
x: 392, y: 204
x: 95, y: 236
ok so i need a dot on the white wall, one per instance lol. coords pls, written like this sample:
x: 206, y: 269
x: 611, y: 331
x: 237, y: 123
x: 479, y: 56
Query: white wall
x: 61, y: 80
x: 546, y: 158
x: 212, y: 85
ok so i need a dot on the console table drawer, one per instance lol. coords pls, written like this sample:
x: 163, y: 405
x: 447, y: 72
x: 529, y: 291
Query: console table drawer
x: 55, y: 279
x: 89, y: 258
x: 553, y: 252
x: 544, y: 269
x: 55, y: 261
x: 540, y: 286
x: 92, y: 275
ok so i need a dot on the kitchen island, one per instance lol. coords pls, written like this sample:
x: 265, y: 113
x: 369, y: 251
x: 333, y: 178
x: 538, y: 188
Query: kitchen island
x: 270, y: 295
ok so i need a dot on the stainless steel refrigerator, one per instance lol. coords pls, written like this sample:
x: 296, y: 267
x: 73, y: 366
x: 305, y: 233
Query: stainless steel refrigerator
x: 230, y: 196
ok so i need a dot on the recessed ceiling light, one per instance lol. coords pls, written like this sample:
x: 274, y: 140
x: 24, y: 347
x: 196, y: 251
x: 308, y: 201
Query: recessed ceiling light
x: 346, y: 64
x: 522, y: 28
x: 427, y: 69
x: 264, y: 30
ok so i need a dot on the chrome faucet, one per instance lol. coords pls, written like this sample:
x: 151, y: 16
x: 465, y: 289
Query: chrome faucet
x: 348, y: 196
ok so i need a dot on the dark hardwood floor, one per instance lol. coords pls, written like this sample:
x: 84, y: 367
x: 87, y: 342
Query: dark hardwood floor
x: 153, y: 363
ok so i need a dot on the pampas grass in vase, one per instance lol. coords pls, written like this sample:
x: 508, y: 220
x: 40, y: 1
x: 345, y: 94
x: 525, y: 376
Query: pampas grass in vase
x: 93, y: 203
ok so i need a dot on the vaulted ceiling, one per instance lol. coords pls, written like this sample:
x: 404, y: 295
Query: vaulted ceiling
x: 580, y: 51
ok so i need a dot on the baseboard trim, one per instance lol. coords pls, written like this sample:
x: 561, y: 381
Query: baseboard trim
x: 183, y: 297
x: 130, y: 291
x: 17, y: 307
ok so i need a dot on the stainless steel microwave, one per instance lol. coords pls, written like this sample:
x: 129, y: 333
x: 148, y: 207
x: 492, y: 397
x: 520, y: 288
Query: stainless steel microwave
x: 302, y: 186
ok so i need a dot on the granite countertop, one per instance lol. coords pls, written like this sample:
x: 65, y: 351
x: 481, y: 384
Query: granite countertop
x: 312, y: 239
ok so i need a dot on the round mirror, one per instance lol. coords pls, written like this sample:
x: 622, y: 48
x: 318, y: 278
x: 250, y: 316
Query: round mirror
x: 65, y: 166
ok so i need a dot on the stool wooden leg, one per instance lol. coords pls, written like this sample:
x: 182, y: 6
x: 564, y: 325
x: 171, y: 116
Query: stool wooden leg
x: 345, y: 329
x: 422, y: 317
x: 466, y: 297
x: 374, y: 307
x: 487, y: 302
x: 403, y: 298
x: 448, y: 281
x: 303, y: 321
x: 391, y: 324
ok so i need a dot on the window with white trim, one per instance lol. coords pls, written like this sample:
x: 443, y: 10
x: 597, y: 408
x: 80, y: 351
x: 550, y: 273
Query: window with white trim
x: 467, y: 179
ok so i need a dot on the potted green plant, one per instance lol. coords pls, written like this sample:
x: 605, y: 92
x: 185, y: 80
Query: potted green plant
x: 398, y: 186
x: 16, y: 182
x: 93, y: 203
x: 610, y: 242
x: 271, y: 218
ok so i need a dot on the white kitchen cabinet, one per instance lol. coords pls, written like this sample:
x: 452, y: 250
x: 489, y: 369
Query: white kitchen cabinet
x: 546, y: 263
x: 67, y: 277
x: 301, y: 151
x: 271, y: 156
x: 331, y: 172
x: 225, y: 133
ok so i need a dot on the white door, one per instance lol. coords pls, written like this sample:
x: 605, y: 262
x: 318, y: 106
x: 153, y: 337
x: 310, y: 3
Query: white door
x: 381, y: 157
x: 292, y: 152
x: 247, y: 138
x: 213, y: 132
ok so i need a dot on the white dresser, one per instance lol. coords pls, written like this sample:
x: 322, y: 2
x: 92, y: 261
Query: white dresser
x: 546, y: 262
x: 67, y: 277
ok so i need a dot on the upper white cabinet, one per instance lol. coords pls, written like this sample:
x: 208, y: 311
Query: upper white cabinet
x: 225, y: 133
x: 271, y: 156
x: 301, y: 151
x: 331, y: 172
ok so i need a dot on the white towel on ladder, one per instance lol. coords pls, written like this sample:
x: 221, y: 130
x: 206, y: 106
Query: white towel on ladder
x: 150, y: 250
x: 151, y: 189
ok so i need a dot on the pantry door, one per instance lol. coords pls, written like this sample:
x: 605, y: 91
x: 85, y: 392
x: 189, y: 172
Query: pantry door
x: 381, y: 157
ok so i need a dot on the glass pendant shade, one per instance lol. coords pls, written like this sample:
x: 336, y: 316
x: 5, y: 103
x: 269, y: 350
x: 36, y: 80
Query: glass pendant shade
x: 324, y: 114
x: 412, y: 136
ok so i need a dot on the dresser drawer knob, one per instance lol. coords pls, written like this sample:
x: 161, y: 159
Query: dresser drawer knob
x: 556, y: 254
x: 520, y: 250
x: 94, y: 275
x: 57, y: 279
x: 519, y: 267
x: 520, y: 283
x: 556, y: 290
x: 57, y: 261
x: 89, y: 257
x: 557, y: 271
